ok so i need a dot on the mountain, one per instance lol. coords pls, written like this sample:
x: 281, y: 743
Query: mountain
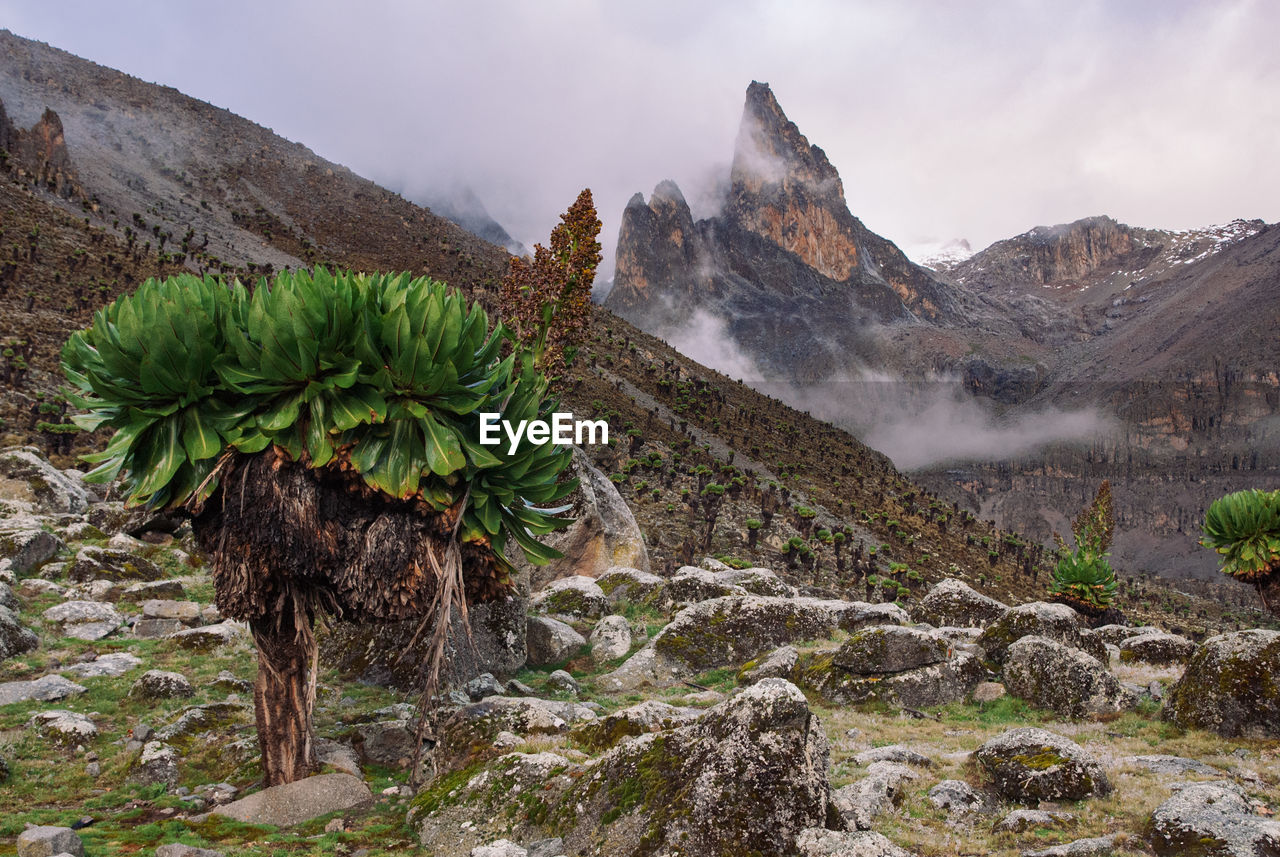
x: 1139, y: 355
x: 461, y: 206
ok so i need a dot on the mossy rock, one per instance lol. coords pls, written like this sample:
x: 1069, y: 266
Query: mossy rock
x: 1231, y: 686
x: 1030, y: 764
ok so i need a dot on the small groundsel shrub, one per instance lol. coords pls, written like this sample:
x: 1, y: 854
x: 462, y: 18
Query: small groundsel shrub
x: 383, y: 375
x: 1083, y: 577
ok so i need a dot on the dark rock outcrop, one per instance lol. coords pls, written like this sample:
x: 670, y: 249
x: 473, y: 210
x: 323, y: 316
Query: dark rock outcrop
x: 1231, y: 686
x: 1031, y: 764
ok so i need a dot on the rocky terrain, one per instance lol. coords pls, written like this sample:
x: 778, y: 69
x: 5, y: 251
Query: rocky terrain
x: 709, y: 711
x: 1084, y: 351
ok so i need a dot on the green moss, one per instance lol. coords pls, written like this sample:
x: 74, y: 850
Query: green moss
x: 443, y: 791
x: 1042, y: 761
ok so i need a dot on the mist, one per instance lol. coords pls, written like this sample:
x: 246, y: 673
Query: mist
x: 945, y: 121
x: 918, y: 423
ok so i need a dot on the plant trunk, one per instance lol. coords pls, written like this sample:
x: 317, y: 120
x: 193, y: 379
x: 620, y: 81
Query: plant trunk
x: 283, y: 698
x: 1269, y: 591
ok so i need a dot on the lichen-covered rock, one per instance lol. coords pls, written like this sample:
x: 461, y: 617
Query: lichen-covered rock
x: 387, y: 742
x: 483, y: 685
x: 14, y: 638
x: 1178, y: 766
x: 27, y: 477
x: 745, y: 778
x: 923, y: 687
x: 1031, y: 764
x: 1091, y: 644
x: 780, y: 663
x: 819, y: 842
x: 94, y: 562
x: 690, y: 585
x: 1114, y: 635
x: 757, y: 581
x: 551, y: 641
x: 84, y: 619
x: 1231, y: 686
x: 633, y: 586
x: 1211, y: 820
x: 466, y: 736
x: 1094, y: 846
x: 47, y: 841
x: 610, y: 639
x: 889, y: 649
x: 199, y: 719
x: 300, y: 801
x: 501, y: 848
x: 732, y: 630
x: 63, y: 727
x: 137, y: 593
x: 561, y: 681
x: 604, y: 533
x: 1062, y: 679
x: 1023, y: 820
x: 859, y: 803
x: 893, y: 753
x: 643, y: 718
x: 957, y: 796
x: 1035, y: 619
x: 953, y: 602
x: 208, y: 637
x: 113, y: 664
x: 577, y: 596
x: 159, y: 684
x: 49, y: 688
x: 157, y: 764
x: 1157, y: 648
x: 26, y: 546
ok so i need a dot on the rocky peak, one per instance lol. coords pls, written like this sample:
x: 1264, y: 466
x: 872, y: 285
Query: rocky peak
x: 658, y: 245
x: 1056, y: 254
x: 771, y: 154
x: 40, y: 153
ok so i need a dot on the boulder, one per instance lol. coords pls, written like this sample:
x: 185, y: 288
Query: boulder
x: 780, y: 663
x: 819, y: 842
x: 551, y: 641
x: 63, y: 727
x: 208, y: 637
x: 1231, y: 686
x: 1157, y: 648
x: 1035, y: 619
x: 893, y: 753
x: 747, y: 777
x: 922, y: 687
x: 501, y: 848
x: 186, y: 612
x: 1094, y: 846
x: 26, y: 546
x: 14, y: 638
x: 297, y: 802
x: 648, y: 716
x: 71, y: 613
x: 156, y: 629
x: 953, y: 602
x: 93, y: 563
x: 604, y: 533
x: 159, y: 684
x: 1024, y: 820
x: 46, y: 841
x: 177, y: 849
x: 158, y: 764
x: 957, y: 796
x: 49, y: 688
x: 1062, y: 679
x: 148, y: 589
x: 110, y: 665
x: 199, y: 719
x: 610, y: 639
x: 466, y: 736
x: 631, y: 585
x: 858, y: 804
x: 1178, y: 766
x: 757, y: 581
x: 690, y: 585
x: 482, y: 686
x: 387, y: 742
x: 562, y: 682
x: 1211, y: 820
x: 1114, y: 635
x: 26, y: 476
x: 889, y: 649
x: 1031, y: 764
x: 578, y: 597
x: 1091, y: 644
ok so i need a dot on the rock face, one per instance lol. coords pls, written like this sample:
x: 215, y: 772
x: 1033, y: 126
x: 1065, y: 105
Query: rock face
x: 1211, y: 820
x: 1053, y: 621
x: 747, y: 777
x: 294, y: 803
x: 1231, y: 686
x: 1062, y: 679
x: 14, y: 638
x: 1056, y: 254
x: 954, y: 603
x: 1031, y: 764
x: 784, y: 254
x: 604, y: 533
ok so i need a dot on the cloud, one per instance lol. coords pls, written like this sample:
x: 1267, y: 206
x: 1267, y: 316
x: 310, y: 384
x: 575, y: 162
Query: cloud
x: 944, y: 120
x: 918, y: 423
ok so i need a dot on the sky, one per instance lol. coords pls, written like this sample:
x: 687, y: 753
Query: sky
x: 945, y: 120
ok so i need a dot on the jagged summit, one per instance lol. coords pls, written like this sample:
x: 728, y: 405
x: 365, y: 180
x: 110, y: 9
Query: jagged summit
x: 771, y: 151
